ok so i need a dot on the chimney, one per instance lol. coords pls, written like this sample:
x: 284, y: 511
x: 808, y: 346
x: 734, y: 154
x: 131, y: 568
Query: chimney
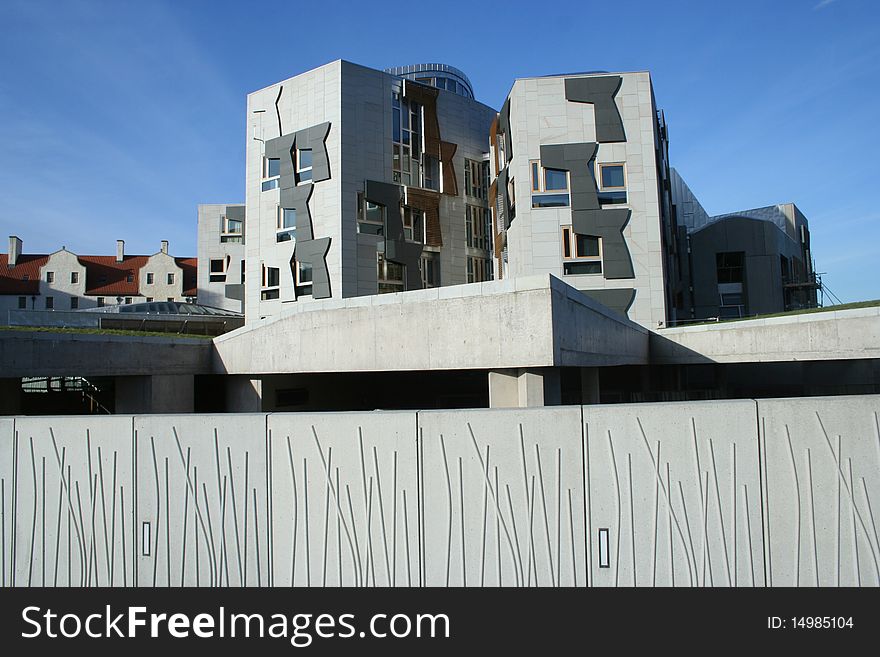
x: 165, y: 247
x: 15, y: 245
x: 120, y: 250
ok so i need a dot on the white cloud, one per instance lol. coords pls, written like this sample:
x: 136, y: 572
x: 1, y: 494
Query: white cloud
x: 822, y: 4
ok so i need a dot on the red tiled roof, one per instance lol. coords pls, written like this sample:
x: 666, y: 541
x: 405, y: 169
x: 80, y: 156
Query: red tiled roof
x: 190, y: 268
x: 24, y: 278
x: 106, y: 277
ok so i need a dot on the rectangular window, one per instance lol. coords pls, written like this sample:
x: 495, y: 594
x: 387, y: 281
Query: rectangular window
x: 74, y: 303
x: 549, y: 187
x: 303, y: 165
x: 217, y: 270
x: 129, y: 278
x: 612, y: 183
x: 406, y: 136
x: 22, y: 303
x: 74, y: 277
x: 476, y: 179
x: 303, y: 278
x: 371, y: 217
x: 581, y: 254
x: 170, y: 279
x: 478, y: 227
x: 149, y: 299
x: 150, y: 278
x: 230, y: 229
x: 271, y: 173
x: 390, y: 275
x: 478, y: 269
x: 271, y: 167
x: 50, y: 276
x: 100, y: 302
x: 50, y: 303
x: 729, y: 267
x: 286, y: 225
x: 413, y: 224
x: 430, y: 270
x: 127, y: 299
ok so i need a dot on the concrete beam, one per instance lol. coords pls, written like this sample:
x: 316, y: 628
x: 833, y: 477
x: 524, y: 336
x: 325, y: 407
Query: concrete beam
x: 830, y: 335
x: 50, y: 353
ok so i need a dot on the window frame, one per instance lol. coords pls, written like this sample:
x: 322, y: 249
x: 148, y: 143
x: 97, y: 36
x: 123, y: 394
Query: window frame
x: 569, y: 241
x: 600, y: 182
x: 382, y: 277
x: 283, y: 234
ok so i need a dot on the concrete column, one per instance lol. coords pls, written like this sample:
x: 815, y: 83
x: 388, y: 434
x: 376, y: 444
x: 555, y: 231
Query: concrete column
x: 155, y: 394
x: 10, y: 396
x: 521, y: 388
x: 503, y: 389
x: 244, y: 394
x: 589, y: 385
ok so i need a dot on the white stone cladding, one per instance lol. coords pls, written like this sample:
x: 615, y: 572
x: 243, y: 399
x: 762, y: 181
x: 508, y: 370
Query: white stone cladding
x: 540, y: 114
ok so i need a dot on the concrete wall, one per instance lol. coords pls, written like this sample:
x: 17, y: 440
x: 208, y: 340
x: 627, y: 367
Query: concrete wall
x: 733, y: 493
x: 830, y: 335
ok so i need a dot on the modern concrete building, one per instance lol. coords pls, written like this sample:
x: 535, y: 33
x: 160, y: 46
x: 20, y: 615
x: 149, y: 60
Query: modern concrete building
x: 64, y: 280
x: 362, y: 182
x: 221, y: 257
x: 580, y: 189
x: 751, y: 262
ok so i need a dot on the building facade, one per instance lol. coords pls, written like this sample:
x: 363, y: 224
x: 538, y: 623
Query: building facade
x: 64, y: 280
x: 221, y: 256
x: 361, y: 182
x: 580, y: 189
x: 750, y: 262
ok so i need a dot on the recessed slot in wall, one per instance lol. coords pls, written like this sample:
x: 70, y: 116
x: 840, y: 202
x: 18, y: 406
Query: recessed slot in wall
x: 604, y: 548
x: 145, y: 539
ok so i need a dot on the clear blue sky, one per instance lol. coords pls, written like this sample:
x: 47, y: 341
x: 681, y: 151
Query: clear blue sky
x: 118, y: 118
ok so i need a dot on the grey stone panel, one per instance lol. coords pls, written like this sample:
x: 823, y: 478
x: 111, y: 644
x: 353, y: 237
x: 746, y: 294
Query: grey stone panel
x: 607, y: 224
x: 297, y: 198
x: 587, y: 217
x: 503, y: 199
x: 315, y: 139
x: 504, y: 128
x: 600, y: 92
x: 235, y: 292
x: 619, y: 300
x: 314, y: 253
x: 282, y: 148
x: 397, y: 247
x: 235, y: 212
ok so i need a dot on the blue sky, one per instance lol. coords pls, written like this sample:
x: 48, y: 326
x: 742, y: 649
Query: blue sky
x: 118, y: 118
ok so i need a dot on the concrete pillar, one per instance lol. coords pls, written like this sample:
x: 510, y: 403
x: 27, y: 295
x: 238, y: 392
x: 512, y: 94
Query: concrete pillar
x: 171, y: 393
x: 10, y: 396
x: 589, y: 385
x: 503, y: 389
x: 521, y: 388
x: 244, y: 394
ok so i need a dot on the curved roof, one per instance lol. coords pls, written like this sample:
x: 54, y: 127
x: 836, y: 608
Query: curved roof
x: 415, y: 71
